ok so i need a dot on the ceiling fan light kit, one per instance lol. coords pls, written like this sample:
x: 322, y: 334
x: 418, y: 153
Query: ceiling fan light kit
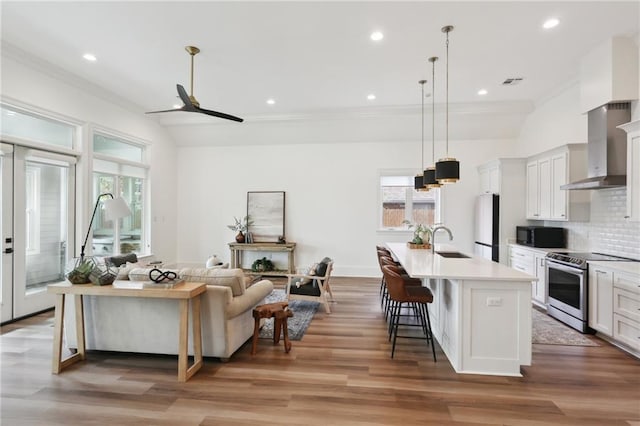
x: 448, y: 168
x: 191, y: 104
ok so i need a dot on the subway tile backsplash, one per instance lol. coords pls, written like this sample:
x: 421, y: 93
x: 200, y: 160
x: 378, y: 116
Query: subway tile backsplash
x: 608, y: 231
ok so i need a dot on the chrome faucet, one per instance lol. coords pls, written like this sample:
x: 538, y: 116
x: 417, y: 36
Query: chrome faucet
x: 435, y: 229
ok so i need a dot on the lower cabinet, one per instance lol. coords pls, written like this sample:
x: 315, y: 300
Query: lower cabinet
x: 614, y: 305
x: 531, y: 261
x: 601, y: 300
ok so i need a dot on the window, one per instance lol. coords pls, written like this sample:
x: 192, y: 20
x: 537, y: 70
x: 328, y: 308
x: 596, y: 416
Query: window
x: 399, y: 202
x: 32, y: 209
x: 118, y: 170
x: 32, y: 127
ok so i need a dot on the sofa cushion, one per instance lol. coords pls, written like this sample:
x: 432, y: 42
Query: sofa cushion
x: 233, y: 278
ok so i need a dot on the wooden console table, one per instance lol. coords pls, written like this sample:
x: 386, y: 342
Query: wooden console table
x: 183, y: 292
x: 238, y: 248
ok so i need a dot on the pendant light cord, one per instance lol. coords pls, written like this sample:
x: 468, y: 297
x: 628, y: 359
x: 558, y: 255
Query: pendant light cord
x: 433, y: 109
x: 447, y: 98
x: 422, y: 82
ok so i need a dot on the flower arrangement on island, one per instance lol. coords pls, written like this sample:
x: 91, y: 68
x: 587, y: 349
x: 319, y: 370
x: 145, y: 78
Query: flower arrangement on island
x: 421, y: 233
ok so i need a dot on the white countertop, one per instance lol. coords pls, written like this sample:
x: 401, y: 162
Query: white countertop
x: 630, y: 267
x: 420, y: 263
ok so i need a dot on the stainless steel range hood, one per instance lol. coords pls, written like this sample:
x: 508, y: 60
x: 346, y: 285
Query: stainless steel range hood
x: 606, y: 148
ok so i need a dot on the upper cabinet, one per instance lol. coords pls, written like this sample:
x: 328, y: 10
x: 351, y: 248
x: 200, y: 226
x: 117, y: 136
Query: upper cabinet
x: 633, y: 169
x: 609, y: 73
x: 546, y: 173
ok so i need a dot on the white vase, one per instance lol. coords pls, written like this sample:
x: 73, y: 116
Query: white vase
x: 213, y: 261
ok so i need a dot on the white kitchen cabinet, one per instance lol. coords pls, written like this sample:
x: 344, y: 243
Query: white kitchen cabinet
x: 601, y: 300
x: 633, y: 170
x: 489, y: 175
x: 614, y: 302
x: 505, y: 177
x: 531, y: 261
x: 546, y: 173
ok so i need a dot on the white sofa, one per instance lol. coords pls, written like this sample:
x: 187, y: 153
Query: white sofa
x: 144, y: 325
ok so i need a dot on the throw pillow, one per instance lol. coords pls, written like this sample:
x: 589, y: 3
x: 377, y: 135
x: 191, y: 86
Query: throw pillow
x: 321, y: 270
x: 124, y: 269
x: 310, y: 271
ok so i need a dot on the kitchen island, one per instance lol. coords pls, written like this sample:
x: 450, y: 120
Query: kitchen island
x: 481, y: 311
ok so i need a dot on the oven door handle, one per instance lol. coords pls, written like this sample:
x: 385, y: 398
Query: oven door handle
x: 561, y: 267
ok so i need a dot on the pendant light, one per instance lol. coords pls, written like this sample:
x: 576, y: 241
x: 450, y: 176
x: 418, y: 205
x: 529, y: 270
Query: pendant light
x: 418, y: 181
x: 448, y: 168
x: 429, y: 178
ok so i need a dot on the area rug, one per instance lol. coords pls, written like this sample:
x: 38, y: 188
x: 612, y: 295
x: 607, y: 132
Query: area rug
x: 303, y: 312
x: 549, y: 331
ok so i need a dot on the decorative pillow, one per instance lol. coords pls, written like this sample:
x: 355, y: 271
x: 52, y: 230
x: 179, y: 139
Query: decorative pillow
x: 123, y: 270
x: 310, y: 271
x: 321, y: 270
x: 233, y: 278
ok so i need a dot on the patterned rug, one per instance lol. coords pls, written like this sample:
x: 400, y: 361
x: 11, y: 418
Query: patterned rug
x: 549, y: 331
x: 303, y: 312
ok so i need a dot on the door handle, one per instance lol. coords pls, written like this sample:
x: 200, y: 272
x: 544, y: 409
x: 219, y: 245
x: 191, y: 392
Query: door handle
x: 8, y: 251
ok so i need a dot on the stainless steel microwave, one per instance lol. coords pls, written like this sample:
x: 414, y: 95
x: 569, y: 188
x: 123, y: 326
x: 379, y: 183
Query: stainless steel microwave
x: 541, y: 236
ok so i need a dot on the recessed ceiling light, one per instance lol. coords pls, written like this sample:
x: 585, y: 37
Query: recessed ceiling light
x: 377, y: 36
x: 371, y: 96
x: 482, y: 92
x: 89, y: 57
x: 550, y: 23
x: 271, y: 101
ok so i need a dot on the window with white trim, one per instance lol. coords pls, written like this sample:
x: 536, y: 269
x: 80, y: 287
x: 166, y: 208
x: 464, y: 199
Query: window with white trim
x: 399, y: 201
x: 118, y: 169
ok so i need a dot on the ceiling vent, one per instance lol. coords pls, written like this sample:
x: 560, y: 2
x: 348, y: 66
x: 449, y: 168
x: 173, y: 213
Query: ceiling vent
x: 512, y: 81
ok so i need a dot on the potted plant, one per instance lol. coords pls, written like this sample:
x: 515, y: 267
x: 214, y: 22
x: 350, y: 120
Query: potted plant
x: 421, y: 235
x: 240, y: 226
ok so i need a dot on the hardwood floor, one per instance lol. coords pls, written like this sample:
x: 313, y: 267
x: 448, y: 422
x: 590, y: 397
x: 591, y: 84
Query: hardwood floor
x: 340, y: 373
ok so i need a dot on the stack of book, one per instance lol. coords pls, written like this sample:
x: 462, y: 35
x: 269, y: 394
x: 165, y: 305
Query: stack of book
x: 146, y: 284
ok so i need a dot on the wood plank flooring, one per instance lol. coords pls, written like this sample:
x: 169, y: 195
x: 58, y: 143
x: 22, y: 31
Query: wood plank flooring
x: 340, y: 373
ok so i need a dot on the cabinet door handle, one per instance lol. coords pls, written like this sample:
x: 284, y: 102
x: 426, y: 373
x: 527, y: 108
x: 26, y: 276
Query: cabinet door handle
x: 626, y: 217
x: 561, y: 215
x: 600, y: 272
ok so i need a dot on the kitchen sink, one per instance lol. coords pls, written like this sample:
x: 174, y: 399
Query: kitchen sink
x: 454, y: 254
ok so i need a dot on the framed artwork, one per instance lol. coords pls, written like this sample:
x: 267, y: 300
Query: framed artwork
x: 266, y: 213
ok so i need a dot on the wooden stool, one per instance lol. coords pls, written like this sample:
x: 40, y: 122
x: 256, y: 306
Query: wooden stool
x: 279, y: 311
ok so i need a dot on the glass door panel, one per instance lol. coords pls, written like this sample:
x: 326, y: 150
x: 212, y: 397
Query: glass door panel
x: 6, y: 232
x: 44, y: 192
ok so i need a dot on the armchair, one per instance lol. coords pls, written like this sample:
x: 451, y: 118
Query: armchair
x: 312, y: 285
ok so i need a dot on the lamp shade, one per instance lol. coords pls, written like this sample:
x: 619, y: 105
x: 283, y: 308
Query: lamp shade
x: 418, y: 184
x: 448, y: 170
x: 429, y: 179
x: 116, y: 208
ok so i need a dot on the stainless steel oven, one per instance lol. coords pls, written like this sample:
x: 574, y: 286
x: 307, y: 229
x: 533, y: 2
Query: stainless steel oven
x: 568, y: 286
x: 568, y: 294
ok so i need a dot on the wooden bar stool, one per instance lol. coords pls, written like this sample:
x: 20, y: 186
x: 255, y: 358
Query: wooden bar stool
x: 279, y: 311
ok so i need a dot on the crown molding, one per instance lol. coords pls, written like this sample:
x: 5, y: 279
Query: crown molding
x: 477, y: 108
x: 11, y: 51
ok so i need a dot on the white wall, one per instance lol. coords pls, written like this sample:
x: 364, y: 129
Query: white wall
x: 331, y: 195
x: 51, y: 90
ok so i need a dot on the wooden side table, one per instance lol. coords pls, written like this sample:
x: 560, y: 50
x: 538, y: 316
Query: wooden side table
x: 183, y: 293
x: 279, y: 311
x: 238, y: 248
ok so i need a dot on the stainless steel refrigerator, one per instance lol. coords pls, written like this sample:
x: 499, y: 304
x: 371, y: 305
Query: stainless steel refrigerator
x: 487, y: 222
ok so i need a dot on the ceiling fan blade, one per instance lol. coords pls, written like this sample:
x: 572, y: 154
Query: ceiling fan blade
x: 183, y: 95
x: 219, y: 114
x: 166, y: 110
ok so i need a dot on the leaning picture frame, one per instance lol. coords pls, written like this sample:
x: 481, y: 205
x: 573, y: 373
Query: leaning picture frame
x: 265, y: 210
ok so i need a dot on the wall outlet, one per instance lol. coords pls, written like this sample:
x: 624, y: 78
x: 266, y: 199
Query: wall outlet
x: 494, y: 301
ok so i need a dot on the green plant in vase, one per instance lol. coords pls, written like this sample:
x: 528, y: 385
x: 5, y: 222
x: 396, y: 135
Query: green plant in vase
x: 421, y: 233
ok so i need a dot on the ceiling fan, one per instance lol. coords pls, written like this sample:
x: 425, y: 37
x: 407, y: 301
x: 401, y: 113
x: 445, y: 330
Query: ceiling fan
x: 190, y: 102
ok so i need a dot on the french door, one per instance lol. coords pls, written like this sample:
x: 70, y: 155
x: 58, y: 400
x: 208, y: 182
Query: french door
x: 6, y: 232
x: 42, y: 188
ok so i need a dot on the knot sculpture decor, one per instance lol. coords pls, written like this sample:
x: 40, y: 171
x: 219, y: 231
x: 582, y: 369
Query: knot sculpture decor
x: 157, y: 276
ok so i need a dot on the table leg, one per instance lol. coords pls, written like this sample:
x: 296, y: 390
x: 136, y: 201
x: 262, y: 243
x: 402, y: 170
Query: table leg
x: 183, y: 344
x: 256, y: 332
x: 233, y: 259
x: 57, y: 362
x: 197, y: 337
x: 291, y: 263
x: 277, y: 326
x: 285, y: 331
x: 57, y: 334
